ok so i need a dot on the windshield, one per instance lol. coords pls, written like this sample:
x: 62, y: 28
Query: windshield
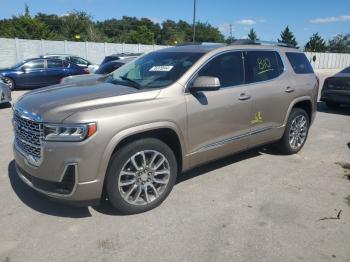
x: 155, y: 70
x: 18, y: 64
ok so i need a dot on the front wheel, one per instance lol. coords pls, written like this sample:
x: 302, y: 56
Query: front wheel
x: 296, y: 132
x: 141, y: 175
x: 10, y: 83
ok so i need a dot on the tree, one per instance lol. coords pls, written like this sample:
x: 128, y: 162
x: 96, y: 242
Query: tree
x: 207, y: 33
x: 288, y: 37
x: 339, y: 44
x: 252, y: 35
x: 315, y: 44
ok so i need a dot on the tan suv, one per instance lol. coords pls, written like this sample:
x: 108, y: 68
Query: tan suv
x: 127, y: 136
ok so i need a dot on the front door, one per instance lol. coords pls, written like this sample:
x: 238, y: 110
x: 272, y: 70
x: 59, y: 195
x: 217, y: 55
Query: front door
x: 219, y: 121
x: 33, y: 74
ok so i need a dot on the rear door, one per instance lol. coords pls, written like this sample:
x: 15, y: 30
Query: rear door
x: 268, y: 85
x: 218, y: 121
x: 55, y: 71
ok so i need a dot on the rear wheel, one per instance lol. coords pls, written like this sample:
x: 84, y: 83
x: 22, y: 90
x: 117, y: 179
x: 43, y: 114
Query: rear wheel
x: 141, y: 175
x: 332, y: 105
x: 9, y: 82
x: 296, y: 132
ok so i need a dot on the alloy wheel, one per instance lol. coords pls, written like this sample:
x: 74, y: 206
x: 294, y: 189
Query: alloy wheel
x: 144, y: 177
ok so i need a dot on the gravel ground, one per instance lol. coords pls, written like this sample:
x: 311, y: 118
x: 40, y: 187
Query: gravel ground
x: 255, y: 206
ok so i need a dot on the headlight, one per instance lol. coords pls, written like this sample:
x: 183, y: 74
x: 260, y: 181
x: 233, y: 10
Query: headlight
x: 67, y: 132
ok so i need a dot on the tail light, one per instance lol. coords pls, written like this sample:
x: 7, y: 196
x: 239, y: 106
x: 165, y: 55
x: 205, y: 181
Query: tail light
x: 86, y: 70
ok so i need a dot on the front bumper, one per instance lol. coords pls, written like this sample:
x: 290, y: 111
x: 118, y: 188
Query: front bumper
x: 60, y: 177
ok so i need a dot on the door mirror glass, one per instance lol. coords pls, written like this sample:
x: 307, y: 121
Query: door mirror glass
x: 205, y: 83
x: 314, y: 58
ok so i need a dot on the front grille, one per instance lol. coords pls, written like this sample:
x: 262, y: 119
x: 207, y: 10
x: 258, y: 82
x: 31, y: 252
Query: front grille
x: 28, y: 136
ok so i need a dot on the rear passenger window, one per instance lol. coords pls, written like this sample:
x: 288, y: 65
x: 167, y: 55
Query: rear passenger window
x: 54, y: 63
x: 299, y: 63
x: 228, y: 67
x: 262, y: 65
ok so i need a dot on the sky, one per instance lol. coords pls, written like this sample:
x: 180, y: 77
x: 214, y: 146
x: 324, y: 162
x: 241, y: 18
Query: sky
x: 268, y: 18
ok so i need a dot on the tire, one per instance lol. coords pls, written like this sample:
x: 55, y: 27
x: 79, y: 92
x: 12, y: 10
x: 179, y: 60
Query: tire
x: 332, y: 105
x: 10, y: 83
x: 288, y: 146
x: 132, y: 189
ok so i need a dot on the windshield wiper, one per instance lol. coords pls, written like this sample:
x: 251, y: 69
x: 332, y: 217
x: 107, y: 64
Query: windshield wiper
x: 132, y: 82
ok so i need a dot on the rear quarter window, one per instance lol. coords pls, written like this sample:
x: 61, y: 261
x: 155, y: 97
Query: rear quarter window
x: 299, y: 63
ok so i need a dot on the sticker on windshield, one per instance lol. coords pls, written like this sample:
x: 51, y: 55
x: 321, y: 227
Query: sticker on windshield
x: 161, y: 68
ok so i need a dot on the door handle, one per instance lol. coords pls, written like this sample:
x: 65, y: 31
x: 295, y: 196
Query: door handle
x: 289, y: 89
x: 244, y: 96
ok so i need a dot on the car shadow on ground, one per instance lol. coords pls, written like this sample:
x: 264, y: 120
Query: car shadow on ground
x: 41, y: 203
x: 342, y: 110
x: 5, y: 105
x: 47, y: 206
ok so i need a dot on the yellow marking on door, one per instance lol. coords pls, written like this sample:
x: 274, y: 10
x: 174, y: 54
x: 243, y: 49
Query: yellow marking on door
x: 257, y: 118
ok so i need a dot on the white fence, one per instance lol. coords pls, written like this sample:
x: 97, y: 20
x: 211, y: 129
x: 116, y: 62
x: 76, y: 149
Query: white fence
x: 15, y: 50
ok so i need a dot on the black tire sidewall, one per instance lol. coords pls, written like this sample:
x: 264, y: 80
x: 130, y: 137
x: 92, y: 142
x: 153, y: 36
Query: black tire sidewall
x: 117, y: 161
x: 285, y: 145
x: 12, y: 81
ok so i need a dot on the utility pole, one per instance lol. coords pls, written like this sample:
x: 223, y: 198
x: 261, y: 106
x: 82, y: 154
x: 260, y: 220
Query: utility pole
x: 194, y: 20
x: 231, y: 34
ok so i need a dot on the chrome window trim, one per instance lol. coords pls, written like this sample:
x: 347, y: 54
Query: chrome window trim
x: 285, y: 68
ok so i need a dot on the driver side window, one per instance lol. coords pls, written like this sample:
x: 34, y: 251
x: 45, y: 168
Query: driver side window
x: 228, y: 67
x: 36, y: 64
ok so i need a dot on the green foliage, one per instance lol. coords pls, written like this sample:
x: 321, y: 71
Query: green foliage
x: 339, y: 44
x: 288, y: 37
x: 207, y: 33
x: 316, y: 44
x: 252, y: 35
x: 79, y: 26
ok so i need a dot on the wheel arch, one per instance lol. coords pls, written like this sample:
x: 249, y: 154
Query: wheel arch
x: 305, y: 103
x: 167, y: 132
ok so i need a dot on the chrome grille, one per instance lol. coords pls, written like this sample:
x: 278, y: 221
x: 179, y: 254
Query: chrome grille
x: 28, y: 135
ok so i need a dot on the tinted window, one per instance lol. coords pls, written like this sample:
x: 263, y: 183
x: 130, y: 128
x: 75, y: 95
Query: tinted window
x: 36, y: 64
x: 78, y: 60
x: 299, y: 63
x: 54, y: 63
x: 108, y: 67
x: 227, y: 67
x: 262, y: 66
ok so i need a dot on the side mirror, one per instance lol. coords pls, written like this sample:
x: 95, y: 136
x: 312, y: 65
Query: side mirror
x: 314, y: 58
x: 205, y: 83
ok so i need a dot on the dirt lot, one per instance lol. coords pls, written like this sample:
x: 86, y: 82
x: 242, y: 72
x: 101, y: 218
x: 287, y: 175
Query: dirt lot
x: 255, y: 206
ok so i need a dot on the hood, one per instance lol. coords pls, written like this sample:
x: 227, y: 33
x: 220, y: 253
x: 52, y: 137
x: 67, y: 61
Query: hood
x: 56, y: 103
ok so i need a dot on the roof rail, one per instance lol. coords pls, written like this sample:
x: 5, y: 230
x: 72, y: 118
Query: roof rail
x: 259, y: 42
x: 199, y: 43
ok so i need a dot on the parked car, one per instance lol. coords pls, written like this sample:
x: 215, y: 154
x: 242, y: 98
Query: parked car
x: 336, y: 89
x: 120, y: 56
x: 111, y: 66
x: 128, y: 136
x: 104, y: 69
x: 5, y: 93
x: 39, y: 72
x: 74, y: 59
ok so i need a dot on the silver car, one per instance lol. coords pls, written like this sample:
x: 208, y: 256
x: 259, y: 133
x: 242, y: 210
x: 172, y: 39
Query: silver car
x: 128, y: 136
